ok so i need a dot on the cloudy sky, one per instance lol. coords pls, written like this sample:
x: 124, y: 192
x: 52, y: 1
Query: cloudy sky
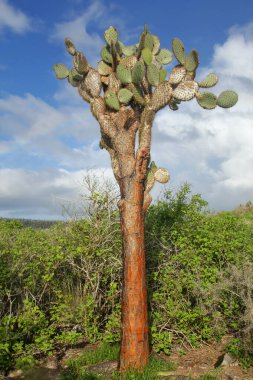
x: 48, y: 139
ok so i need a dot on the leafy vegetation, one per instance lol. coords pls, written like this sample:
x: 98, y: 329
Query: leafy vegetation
x: 61, y: 285
x: 78, y: 368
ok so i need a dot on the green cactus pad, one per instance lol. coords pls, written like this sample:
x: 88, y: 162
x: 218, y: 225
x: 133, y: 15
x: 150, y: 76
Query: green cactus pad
x: 124, y: 95
x: 178, y: 50
x: 127, y: 50
x: 123, y: 74
x: 61, y: 71
x: 138, y: 72
x: 70, y: 47
x: 165, y: 56
x: 192, y: 61
x: 148, y: 41
x: 209, y: 81
x: 147, y: 56
x: 106, y: 55
x: 103, y: 68
x: 206, y: 100
x: 137, y: 93
x: 157, y: 44
x: 76, y: 75
x: 111, y: 35
x: 74, y: 78
x: 153, y: 74
x: 227, y: 99
x: 80, y: 63
x: 112, y: 101
x: 162, y: 75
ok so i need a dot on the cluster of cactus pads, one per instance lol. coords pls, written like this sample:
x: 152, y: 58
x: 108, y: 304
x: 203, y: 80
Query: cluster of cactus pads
x: 136, y: 75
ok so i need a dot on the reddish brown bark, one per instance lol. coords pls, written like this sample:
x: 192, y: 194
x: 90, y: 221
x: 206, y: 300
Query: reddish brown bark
x: 134, y: 350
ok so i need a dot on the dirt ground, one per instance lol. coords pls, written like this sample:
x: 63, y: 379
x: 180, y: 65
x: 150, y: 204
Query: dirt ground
x: 206, y: 359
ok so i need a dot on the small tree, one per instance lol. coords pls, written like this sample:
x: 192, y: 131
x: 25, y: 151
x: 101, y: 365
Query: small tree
x: 135, y: 86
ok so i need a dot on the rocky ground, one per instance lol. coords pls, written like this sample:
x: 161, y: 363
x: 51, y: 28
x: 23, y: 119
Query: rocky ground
x: 190, y: 364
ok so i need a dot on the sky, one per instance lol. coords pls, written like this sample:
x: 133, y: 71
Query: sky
x: 48, y: 137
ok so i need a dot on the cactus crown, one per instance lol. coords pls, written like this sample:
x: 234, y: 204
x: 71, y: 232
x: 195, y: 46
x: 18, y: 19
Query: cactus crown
x: 136, y: 75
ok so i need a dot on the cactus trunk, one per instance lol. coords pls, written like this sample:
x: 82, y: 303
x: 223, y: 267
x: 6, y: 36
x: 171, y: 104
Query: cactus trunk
x: 134, y: 350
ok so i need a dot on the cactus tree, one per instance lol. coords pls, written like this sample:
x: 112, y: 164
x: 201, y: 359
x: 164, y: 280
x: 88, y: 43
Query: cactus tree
x: 126, y: 90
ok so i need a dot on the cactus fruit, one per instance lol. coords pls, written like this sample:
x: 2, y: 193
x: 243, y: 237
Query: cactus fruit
x: 148, y: 41
x: 80, y: 63
x: 147, y: 56
x: 112, y: 101
x: 124, y: 95
x: 209, y: 81
x: 161, y: 95
x: 162, y: 75
x: 61, y: 71
x: 103, y: 68
x: 192, y: 61
x: 124, y: 74
x: 162, y: 175
x: 164, y: 56
x: 227, y: 99
x: 137, y: 93
x: 153, y: 74
x: 70, y: 47
x: 156, y: 46
x: 206, y: 100
x: 93, y: 83
x: 185, y: 90
x: 106, y: 55
x: 138, y: 72
x: 178, y: 50
x: 177, y: 74
x: 111, y: 35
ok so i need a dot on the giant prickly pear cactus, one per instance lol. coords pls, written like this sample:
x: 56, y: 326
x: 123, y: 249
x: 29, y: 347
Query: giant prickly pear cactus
x: 128, y: 87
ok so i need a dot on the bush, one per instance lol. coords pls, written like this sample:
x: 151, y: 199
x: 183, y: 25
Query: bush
x: 62, y: 285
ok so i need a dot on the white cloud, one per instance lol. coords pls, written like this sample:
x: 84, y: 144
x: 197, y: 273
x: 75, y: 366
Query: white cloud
x: 213, y: 149
x: 43, y: 194
x: 77, y: 29
x: 210, y: 149
x: 68, y: 134
x: 13, y: 18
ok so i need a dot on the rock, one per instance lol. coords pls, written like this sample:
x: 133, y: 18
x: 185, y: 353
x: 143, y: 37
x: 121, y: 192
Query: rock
x: 225, y: 360
x: 51, y: 363
x: 102, y: 368
x: 15, y: 374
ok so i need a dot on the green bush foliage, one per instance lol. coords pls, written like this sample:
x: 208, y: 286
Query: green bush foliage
x: 61, y: 285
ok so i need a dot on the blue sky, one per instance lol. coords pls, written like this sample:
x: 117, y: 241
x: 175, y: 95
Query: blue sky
x: 48, y: 138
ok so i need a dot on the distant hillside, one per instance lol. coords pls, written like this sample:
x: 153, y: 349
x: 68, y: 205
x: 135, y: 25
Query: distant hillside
x: 35, y: 223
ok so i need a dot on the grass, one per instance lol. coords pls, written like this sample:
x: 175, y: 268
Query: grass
x: 105, y: 352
